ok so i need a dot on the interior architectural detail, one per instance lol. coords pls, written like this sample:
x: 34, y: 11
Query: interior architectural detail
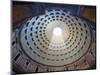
x: 54, y: 41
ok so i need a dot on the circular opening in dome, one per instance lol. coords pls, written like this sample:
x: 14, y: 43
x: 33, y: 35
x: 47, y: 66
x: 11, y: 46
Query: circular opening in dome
x: 57, y: 31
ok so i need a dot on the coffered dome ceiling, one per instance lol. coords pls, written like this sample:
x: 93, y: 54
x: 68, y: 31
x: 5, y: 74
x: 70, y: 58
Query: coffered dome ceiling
x: 54, y: 41
x: 40, y: 44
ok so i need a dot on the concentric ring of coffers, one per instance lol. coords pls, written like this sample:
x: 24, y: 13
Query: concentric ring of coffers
x: 39, y: 43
